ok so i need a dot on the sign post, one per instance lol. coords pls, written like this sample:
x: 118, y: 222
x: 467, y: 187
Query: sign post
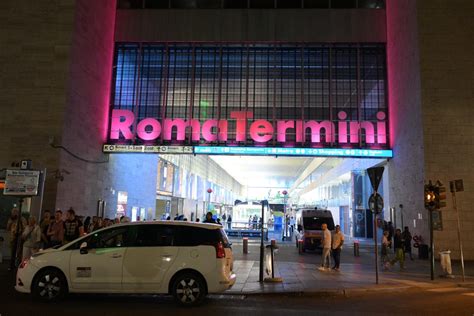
x: 376, y: 206
x: 21, y: 183
x: 262, y: 249
x: 457, y: 186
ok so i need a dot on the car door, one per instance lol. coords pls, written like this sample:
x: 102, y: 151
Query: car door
x: 149, y: 258
x: 98, y: 267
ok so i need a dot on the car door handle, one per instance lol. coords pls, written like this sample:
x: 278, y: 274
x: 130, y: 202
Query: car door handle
x: 116, y: 255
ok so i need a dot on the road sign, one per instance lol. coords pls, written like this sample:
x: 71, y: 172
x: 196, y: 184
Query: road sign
x: 22, y: 182
x: 375, y: 175
x: 437, y: 220
x: 376, y: 199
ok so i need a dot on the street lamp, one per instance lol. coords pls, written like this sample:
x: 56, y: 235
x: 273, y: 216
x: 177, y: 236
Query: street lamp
x: 285, y: 197
x: 209, y: 191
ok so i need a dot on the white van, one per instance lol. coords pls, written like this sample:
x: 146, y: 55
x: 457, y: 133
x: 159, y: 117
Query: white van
x: 186, y: 260
x: 308, y: 226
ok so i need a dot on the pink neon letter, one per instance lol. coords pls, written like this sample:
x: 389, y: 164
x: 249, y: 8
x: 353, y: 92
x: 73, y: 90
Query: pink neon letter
x: 241, y: 128
x: 155, y: 129
x: 119, y: 126
x: 207, y: 130
x: 282, y: 126
x: 261, y: 131
x: 355, y: 128
x: 180, y: 125
x: 315, y: 131
x: 342, y: 127
x: 381, y: 129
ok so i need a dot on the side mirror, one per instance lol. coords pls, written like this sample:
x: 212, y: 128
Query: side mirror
x: 83, y: 248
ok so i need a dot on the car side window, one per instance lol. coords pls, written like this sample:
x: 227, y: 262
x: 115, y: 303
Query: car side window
x: 197, y: 236
x: 111, y: 238
x: 154, y: 236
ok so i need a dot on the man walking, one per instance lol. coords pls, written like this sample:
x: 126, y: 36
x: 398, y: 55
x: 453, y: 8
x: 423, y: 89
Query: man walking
x: 337, y: 241
x: 406, y: 236
x: 398, y: 246
x: 326, y: 242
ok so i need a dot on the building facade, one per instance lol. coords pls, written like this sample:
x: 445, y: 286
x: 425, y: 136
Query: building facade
x: 60, y: 86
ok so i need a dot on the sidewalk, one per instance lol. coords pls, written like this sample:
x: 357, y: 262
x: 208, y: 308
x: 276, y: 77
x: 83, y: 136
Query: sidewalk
x: 301, y: 276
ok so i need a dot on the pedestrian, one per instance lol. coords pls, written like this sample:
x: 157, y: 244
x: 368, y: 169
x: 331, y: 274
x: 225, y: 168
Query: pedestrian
x: 398, y: 246
x: 391, y: 230
x: 292, y: 226
x: 384, y: 251
x: 406, y: 235
x: 229, y: 222
x: 87, y: 223
x: 337, y: 242
x: 31, y: 238
x: 254, y: 222
x: 224, y: 217
x: 73, y: 227
x: 56, y: 230
x: 44, y: 225
x: 209, y: 218
x: 326, y: 242
x: 15, y: 226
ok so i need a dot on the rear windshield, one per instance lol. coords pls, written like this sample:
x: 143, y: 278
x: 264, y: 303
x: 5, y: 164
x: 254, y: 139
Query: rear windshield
x: 315, y: 222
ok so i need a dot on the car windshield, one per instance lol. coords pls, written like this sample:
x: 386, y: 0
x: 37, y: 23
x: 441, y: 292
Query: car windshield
x: 315, y: 222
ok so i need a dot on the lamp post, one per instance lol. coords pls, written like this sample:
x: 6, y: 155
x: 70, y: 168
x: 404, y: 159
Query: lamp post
x: 209, y: 191
x: 285, y: 197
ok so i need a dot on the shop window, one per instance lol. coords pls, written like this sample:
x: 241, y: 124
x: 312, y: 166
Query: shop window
x: 157, y: 4
x: 316, y: 4
x: 235, y: 4
x: 262, y: 4
x: 183, y: 4
x: 371, y: 4
x: 287, y: 4
x: 130, y: 4
x: 343, y: 4
x: 209, y: 4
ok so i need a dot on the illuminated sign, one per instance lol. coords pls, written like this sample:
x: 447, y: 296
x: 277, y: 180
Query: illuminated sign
x: 124, y: 127
x: 251, y: 151
x: 282, y: 151
x: 22, y: 182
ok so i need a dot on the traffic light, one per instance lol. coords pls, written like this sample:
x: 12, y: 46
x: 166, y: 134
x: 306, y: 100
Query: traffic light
x: 430, y: 197
x: 440, y: 194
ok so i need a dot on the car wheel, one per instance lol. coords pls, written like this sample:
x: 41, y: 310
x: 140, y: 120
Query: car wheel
x: 189, y: 289
x: 49, y: 285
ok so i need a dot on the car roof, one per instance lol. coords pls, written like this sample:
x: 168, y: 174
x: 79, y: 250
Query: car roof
x: 176, y: 223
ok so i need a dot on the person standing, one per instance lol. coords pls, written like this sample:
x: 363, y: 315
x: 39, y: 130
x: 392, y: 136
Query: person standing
x: 326, y: 242
x: 15, y: 226
x: 56, y: 229
x: 398, y: 246
x: 406, y: 235
x: 44, y: 225
x: 73, y: 227
x: 391, y: 231
x: 209, y: 219
x: 384, y: 251
x: 31, y: 238
x: 337, y: 242
x: 229, y: 222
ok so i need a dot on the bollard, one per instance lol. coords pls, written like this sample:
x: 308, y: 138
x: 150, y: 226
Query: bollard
x: 356, y: 248
x: 445, y: 259
x: 300, y: 246
x: 273, y: 243
x: 245, y: 247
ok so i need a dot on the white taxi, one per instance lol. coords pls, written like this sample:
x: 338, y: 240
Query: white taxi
x: 187, y: 260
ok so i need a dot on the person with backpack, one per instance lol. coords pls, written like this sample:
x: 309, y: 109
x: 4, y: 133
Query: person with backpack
x: 73, y: 227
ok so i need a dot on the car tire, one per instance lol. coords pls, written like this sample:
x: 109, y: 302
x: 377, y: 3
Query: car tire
x: 49, y: 285
x: 188, y: 289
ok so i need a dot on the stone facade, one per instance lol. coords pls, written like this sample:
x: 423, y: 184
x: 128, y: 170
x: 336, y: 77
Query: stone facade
x: 35, y: 41
x: 447, y: 92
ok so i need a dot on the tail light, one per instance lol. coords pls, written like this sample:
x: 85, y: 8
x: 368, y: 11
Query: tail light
x: 24, y: 263
x: 220, y: 251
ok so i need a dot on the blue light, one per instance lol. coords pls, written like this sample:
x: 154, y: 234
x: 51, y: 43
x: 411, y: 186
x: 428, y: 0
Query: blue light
x: 304, y: 152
